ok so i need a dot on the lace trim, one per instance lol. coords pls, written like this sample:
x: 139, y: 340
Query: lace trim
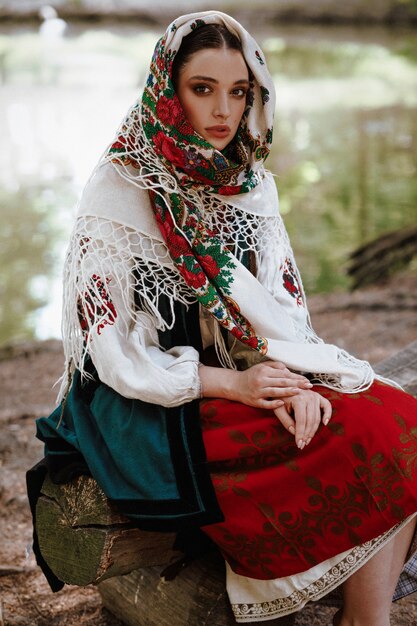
x: 249, y: 612
x: 243, y: 232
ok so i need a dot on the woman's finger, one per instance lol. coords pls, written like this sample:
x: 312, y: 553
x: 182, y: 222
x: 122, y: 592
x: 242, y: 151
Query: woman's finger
x: 327, y: 410
x: 321, y: 410
x: 300, y: 415
x: 280, y: 392
x: 307, y: 416
x: 286, y: 419
x: 313, y: 417
x: 286, y: 381
x: 270, y: 404
x: 281, y: 369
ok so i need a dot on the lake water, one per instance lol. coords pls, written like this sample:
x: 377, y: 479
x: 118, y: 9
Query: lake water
x: 344, y: 146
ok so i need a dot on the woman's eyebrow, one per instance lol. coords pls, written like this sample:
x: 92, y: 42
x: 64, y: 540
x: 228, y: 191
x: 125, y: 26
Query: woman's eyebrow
x: 210, y: 79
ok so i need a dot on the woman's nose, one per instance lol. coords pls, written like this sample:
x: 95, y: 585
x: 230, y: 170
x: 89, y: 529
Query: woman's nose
x: 222, y: 107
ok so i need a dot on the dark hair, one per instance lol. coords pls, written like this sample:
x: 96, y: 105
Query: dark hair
x: 208, y: 36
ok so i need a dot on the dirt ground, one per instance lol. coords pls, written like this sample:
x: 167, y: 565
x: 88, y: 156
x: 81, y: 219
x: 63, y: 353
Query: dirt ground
x: 372, y: 323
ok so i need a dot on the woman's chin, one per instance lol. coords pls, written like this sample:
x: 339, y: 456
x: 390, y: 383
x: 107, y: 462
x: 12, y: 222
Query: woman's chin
x: 218, y: 144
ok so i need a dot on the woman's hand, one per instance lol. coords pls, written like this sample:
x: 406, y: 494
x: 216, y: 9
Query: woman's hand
x: 302, y: 414
x: 265, y: 385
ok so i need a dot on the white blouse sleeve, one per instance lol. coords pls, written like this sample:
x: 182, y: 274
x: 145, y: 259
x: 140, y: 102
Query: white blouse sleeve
x: 127, y: 356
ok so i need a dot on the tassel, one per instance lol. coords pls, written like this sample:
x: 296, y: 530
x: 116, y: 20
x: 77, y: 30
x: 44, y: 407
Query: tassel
x: 221, y: 350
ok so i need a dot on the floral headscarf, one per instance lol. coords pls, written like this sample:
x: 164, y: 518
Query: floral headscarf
x: 205, y: 264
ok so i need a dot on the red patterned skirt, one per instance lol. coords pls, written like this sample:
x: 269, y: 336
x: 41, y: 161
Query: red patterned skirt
x: 287, y: 510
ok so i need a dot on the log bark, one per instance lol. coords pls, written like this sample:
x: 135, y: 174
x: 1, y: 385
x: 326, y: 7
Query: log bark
x: 84, y: 539
x: 402, y: 368
x: 196, y: 597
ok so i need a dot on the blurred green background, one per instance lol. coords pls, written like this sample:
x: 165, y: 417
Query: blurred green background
x: 345, y: 138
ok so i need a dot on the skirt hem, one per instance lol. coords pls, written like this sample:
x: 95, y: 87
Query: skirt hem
x: 250, y: 611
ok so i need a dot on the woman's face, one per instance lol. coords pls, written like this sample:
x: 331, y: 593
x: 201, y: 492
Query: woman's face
x: 212, y: 89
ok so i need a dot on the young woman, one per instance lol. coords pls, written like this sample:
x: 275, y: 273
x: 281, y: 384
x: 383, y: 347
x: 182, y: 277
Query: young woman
x: 197, y: 393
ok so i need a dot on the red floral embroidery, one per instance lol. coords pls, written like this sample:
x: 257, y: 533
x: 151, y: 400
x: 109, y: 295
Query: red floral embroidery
x: 290, y: 281
x: 185, y: 128
x: 169, y: 149
x: 118, y: 145
x: 84, y: 241
x: 169, y: 110
x: 96, y: 308
x: 209, y: 265
x: 228, y: 190
x: 196, y: 280
x: 160, y: 62
x: 177, y: 244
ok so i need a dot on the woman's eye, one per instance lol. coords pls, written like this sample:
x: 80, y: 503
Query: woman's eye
x: 201, y: 89
x: 239, y: 92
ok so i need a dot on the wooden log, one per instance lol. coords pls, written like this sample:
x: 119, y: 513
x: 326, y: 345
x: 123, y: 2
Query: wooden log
x: 196, y: 597
x: 402, y: 368
x: 84, y: 539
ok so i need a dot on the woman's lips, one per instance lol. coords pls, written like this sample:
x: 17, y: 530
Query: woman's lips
x: 219, y: 131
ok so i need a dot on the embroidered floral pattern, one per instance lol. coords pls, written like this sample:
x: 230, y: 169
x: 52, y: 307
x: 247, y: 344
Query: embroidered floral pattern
x: 406, y: 457
x: 263, y: 448
x: 290, y: 281
x: 197, y: 24
x: 226, y: 481
x: 381, y: 479
x: 265, y: 95
x: 259, y: 58
x: 98, y: 309
x: 286, y: 534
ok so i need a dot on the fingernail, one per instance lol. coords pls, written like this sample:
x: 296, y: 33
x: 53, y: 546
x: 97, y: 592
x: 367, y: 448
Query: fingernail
x: 300, y: 444
x: 308, y: 385
x: 326, y: 421
x: 308, y: 441
x: 292, y: 430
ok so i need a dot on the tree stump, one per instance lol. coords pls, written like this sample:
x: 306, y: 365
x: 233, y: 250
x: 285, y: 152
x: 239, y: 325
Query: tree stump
x: 84, y: 539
